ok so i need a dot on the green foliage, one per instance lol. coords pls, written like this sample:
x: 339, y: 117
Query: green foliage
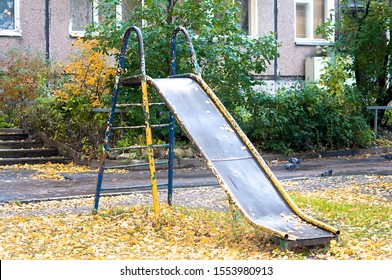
x: 63, y: 109
x: 336, y: 75
x: 26, y: 72
x: 365, y: 38
x: 300, y: 118
x: 226, y: 55
x: 72, y: 123
x: 3, y: 121
x: 305, y: 118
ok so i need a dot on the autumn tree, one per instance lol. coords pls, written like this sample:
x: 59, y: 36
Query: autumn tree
x: 364, y: 28
x: 227, y: 56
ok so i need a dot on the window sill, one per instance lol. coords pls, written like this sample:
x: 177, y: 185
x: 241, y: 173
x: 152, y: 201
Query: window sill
x: 10, y: 33
x: 304, y: 42
x: 76, y: 34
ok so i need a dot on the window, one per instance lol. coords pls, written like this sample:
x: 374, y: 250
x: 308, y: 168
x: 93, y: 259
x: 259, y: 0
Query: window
x: 85, y: 12
x: 309, y: 14
x: 81, y: 16
x: 249, y: 16
x: 9, y: 18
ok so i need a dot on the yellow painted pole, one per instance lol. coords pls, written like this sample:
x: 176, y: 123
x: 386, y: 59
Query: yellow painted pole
x: 232, y: 209
x: 150, y: 151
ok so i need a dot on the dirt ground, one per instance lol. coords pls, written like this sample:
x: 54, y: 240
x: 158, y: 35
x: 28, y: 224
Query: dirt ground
x: 17, y: 184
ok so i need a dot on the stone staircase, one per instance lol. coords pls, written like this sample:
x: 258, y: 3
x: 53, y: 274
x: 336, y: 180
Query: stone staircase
x: 16, y: 147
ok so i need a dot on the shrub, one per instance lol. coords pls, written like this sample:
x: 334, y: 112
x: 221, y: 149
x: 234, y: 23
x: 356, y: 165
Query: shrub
x: 26, y: 72
x: 305, y: 118
x: 4, y: 123
x: 71, y: 123
x: 63, y: 111
x: 86, y: 74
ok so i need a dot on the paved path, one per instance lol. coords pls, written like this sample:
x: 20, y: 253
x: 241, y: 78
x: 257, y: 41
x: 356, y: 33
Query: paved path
x: 17, y: 184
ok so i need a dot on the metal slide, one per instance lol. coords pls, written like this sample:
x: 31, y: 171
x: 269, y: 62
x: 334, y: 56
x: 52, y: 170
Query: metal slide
x: 238, y: 167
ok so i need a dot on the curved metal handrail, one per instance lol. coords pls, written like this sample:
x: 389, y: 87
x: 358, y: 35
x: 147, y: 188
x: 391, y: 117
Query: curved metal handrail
x: 191, y: 50
x: 114, y: 98
x: 119, y: 71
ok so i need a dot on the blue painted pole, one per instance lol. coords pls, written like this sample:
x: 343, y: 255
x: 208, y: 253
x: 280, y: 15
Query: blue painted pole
x: 172, y: 120
x: 114, y: 102
x: 190, y: 46
x: 171, y: 161
x: 171, y: 131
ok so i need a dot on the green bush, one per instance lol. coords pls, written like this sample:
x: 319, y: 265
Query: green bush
x: 72, y: 123
x: 305, y: 118
x: 26, y: 71
x: 4, y: 123
x: 64, y: 99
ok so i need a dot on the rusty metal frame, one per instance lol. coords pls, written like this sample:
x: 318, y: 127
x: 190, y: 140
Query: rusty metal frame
x: 146, y: 109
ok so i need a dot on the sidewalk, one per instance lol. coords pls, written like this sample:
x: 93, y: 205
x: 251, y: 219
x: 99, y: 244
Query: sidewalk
x: 16, y: 185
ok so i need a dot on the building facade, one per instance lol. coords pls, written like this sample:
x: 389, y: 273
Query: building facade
x: 294, y: 23
x: 51, y: 26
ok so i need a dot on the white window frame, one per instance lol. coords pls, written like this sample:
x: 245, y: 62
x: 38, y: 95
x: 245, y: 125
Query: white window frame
x: 74, y: 33
x: 253, y: 18
x: 17, y: 31
x: 253, y: 25
x: 310, y: 40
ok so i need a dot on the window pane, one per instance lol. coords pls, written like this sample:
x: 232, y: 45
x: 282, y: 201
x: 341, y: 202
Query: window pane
x: 7, y: 15
x: 319, y: 16
x: 244, y: 5
x: 301, y: 11
x: 82, y: 14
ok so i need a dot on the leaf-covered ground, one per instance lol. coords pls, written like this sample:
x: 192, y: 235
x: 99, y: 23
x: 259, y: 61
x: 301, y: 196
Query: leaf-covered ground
x: 67, y: 229
x: 54, y: 171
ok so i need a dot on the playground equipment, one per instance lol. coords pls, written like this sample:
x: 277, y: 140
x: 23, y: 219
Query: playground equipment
x: 247, y: 180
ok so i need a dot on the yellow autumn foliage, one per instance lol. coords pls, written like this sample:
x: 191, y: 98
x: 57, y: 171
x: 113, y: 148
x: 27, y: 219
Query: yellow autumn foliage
x: 88, y: 72
x: 55, y: 171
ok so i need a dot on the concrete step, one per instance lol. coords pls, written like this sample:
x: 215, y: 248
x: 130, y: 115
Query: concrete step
x: 25, y: 153
x: 13, y: 136
x: 11, y: 130
x: 34, y: 160
x: 21, y: 144
x: 17, y: 148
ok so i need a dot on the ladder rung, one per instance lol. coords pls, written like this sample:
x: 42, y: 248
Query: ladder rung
x: 106, y: 110
x: 133, y: 187
x: 134, y: 165
x: 136, y: 147
x: 126, y: 166
x: 140, y: 126
x: 138, y: 104
x: 128, y: 127
x: 161, y: 125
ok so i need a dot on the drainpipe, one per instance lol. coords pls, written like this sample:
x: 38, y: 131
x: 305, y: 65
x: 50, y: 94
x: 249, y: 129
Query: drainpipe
x: 47, y: 28
x: 276, y: 38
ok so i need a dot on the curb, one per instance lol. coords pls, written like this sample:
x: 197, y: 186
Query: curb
x: 330, y: 154
x: 79, y: 159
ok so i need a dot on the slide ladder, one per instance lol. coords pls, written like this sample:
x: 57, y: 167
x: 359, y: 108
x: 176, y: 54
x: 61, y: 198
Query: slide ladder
x: 108, y: 146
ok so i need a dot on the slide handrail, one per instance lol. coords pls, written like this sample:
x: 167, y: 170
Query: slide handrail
x: 191, y: 50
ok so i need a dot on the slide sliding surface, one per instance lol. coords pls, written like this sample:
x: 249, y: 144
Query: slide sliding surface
x: 241, y: 172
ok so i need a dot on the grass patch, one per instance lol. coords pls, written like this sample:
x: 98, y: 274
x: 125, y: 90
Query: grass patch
x: 365, y: 222
x: 360, y: 219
